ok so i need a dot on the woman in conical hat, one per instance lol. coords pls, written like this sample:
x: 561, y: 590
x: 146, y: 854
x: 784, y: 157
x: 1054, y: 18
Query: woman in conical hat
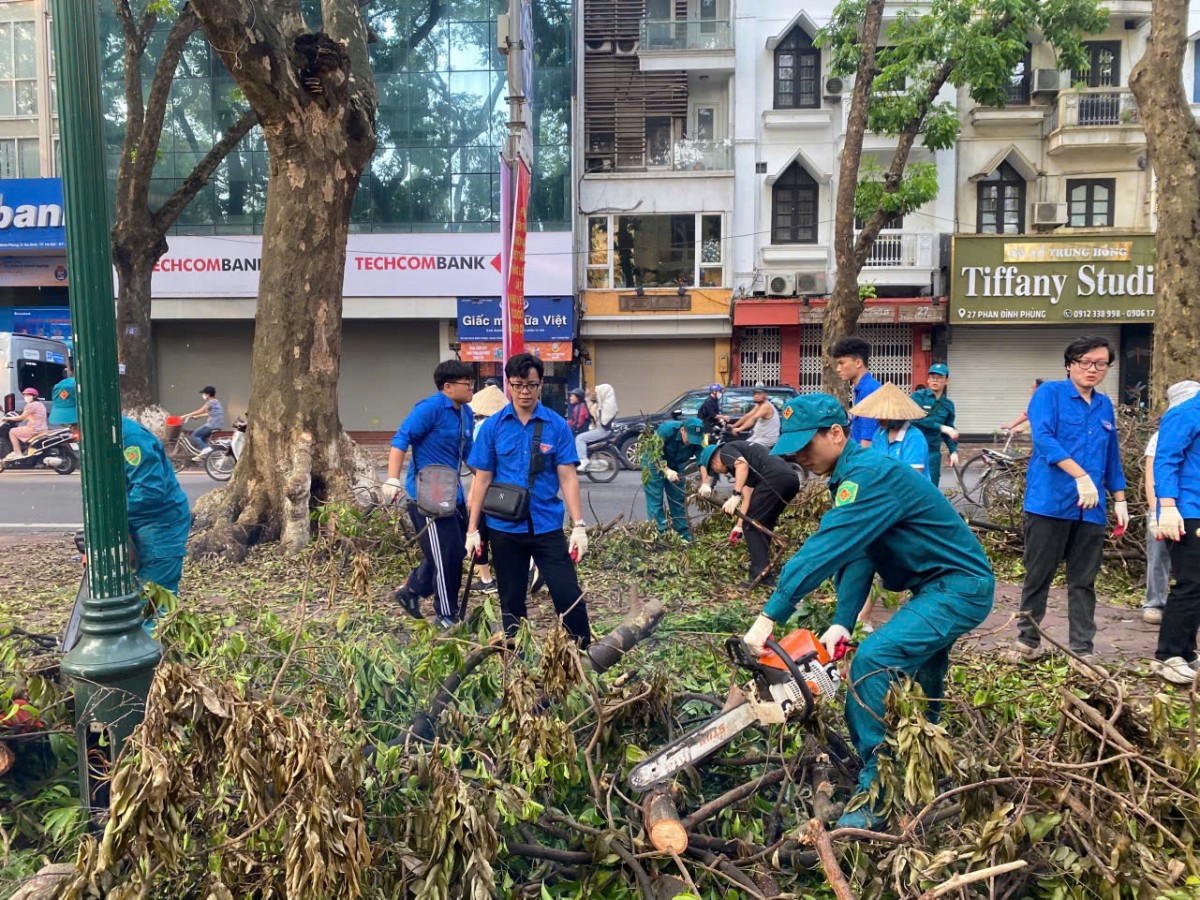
x: 895, y: 436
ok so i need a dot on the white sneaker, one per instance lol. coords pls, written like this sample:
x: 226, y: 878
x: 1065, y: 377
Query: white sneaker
x: 205, y: 452
x: 1175, y: 670
x: 583, y: 466
x: 1152, y: 615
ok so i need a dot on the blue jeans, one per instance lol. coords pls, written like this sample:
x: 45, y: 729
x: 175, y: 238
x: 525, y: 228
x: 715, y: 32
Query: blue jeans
x: 916, y: 641
x: 200, y: 435
x: 1158, y: 572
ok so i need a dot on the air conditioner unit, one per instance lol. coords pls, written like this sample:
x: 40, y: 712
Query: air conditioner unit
x: 1049, y: 214
x: 811, y: 282
x: 1047, y: 81
x: 781, y: 285
x: 834, y: 88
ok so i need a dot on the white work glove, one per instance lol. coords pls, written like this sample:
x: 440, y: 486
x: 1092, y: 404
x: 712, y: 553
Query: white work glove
x: 730, y: 506
x: 736, y: 534
x: 1151, y: 524
x: 1121, y: 508
x: 1170, y: 524
x: 671, y: 475
x: 578, y: 542
x: 392, y: 488
x: 954, y: 460
x: 1089, y: 497
x: 758, y: 635
x: 706, y: 490
x: 832, y: 635
x: 949, y: 432
x: 474, y: 545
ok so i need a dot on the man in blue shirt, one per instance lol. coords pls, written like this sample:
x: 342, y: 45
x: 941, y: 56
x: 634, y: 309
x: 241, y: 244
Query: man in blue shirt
x: 1177, y: 487
x: 1076, y: 460
x: 504, y: 453
x: 436, y: 433
x: 851, y: 356
x: 884, y: 519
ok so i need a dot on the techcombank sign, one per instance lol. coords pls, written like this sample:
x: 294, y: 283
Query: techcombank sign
x: 377, y: 265
x: 1026, y: 280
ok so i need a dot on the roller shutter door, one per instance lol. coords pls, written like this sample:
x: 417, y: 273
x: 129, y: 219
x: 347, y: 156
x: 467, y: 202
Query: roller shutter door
x: 992, y: 369
x: 648, y: 374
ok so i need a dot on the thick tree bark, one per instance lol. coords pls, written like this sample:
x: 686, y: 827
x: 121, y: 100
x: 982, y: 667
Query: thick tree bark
x: 139, y: 233
x: 845, y: 306
x: 1173, y: 143
x: 315, y: 97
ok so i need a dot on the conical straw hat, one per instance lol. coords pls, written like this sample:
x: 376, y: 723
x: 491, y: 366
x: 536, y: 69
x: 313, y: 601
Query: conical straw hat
x: 488, y: 402
x: 890, y: 403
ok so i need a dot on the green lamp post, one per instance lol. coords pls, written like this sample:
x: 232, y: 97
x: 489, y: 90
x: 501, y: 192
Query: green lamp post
x: 114, y: 662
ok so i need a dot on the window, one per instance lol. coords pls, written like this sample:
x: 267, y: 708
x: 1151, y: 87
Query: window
x: 797, y: 72
x: 711, y: 255
x: 19, y: 158
x: 706, y: 123
x: 1000, y: 197
x: 658, y: 141
x: 1018, y: 82
x: 655, y: 251
x: 794, y: 207
x: 1091, y: 202
x: 18, y: 70
x: 599, y: 263
x: 1104, y: 65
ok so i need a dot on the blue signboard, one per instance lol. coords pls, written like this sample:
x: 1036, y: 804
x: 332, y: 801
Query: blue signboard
x: 52, y: 322
x: 546, y: 319
x: 31, y: 214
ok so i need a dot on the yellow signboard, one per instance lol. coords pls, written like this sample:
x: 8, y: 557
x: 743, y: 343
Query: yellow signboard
x: 1067, y: 251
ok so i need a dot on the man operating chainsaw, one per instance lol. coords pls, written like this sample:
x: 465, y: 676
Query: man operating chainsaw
x: 886, y: 519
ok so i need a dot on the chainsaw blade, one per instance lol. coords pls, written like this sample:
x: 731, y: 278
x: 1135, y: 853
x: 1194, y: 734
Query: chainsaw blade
x: 691, y: 748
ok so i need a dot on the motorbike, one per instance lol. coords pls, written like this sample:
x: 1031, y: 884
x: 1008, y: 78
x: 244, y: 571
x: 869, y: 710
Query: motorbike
x: 225, y: 452
x: 604, y: 460
x: 56, y: 449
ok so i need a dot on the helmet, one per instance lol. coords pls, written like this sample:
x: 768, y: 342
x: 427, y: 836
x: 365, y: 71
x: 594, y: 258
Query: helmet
x: 715, y: 388
x: 578, y: 392
x: 760, y: 388
x: 30, y: 392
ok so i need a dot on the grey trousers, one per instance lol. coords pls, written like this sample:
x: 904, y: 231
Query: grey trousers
x: 1158, y: 572
x: 1048, y: 542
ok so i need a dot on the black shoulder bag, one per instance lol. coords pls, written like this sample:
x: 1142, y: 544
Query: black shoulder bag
x: 510, y: 502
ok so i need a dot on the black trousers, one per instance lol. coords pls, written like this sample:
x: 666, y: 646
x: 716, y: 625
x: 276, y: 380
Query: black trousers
x: 1181, y: 618
x: 510, y: 561
x: 440, y: 572
x: 767, y: 503
x: 1049, y: 541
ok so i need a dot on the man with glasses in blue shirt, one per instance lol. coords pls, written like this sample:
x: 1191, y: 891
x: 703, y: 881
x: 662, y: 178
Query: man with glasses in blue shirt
x: 527, y: 445
x: 436, y: 433
x: 1076, y: 461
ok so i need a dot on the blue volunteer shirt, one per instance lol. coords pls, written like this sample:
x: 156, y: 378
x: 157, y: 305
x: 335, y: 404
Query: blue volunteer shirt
x: 504, y: 447
x: 862, y: 428
x: 435, y: 434
x: 1177, y: 458
x: 1065, y: 426
x: 909, y: 447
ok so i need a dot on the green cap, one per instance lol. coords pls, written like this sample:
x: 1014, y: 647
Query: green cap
x: 940, y: 369
x: 706, y: 455
x: 802, y: 416
x: 694, y: 427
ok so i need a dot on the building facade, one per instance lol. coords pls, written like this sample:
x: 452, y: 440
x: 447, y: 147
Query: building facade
x: 1055, y: 229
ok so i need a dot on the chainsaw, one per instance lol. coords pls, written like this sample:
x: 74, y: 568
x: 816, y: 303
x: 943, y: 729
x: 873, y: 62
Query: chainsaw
x: 788, y: 682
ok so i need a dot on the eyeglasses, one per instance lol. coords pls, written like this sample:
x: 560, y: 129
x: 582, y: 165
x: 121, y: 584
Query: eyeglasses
x: 1091, y: 364
x: 465, y: 384
x: 525, y: 387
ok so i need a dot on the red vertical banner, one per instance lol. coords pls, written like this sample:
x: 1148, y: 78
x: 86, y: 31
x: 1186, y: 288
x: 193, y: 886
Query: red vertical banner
x: 506, y: 224
x: 514, y: 272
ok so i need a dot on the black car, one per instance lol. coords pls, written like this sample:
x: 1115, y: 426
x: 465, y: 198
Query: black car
x: 735, y: 402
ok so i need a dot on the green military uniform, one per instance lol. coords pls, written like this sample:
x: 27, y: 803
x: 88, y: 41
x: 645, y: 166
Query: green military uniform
x: 675, y: 455
x: 939, y: 411
x: 159, y: 516
x: 887, y: 520
x: 64, y: 409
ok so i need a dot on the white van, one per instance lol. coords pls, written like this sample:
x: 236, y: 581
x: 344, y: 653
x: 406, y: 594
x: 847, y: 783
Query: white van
x: 27, y: 361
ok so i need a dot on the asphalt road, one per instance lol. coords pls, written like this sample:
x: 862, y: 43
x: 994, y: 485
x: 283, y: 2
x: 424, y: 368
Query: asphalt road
x: 45, y: 502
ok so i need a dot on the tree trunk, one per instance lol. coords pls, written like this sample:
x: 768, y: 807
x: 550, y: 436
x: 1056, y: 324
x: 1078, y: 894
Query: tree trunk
x: 315, y: 98
x: 1173, y: 144
x: 845, y: 306
x: 135, y: 348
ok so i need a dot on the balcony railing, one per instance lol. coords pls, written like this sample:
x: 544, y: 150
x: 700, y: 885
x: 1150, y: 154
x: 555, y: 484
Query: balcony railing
x: 695, y: 156
x: 893, y: 249
x: 1097, y: 107
x: 686, y: 34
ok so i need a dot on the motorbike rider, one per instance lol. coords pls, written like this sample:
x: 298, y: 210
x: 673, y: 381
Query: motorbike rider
x: 214, y: 420
x: 64, y: 409
x: 762, y: 421
x: 579, y: 418
x: 681, y: 442
x: 18, y: 435
x: 887, y: 521
x: 602, y: 406
x: 159, y: 516
x: 710, y: 410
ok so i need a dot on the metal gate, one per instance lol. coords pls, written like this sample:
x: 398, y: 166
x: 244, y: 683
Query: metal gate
x: 759, y: 349
x: 891, y: 354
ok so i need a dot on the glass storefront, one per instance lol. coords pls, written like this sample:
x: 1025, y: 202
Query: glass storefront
x: 441, y: 122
